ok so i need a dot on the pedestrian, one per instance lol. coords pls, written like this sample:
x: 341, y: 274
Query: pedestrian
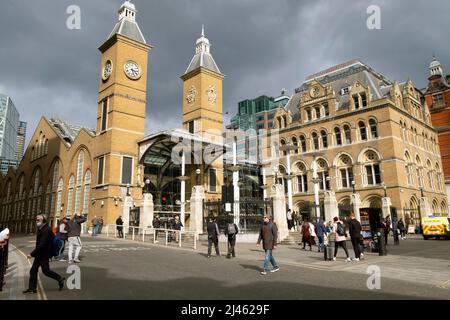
x: 312, y: 230
x: 213, y: 236
x: 289, y: 219
x: 341, y: 238
x: 231, y: 232
x: 119, y: 226
x: 74, y: 236
x: 94, y: 226
x: 321, y: 233
x: 268, y: 234
x: 63, y: 235
x: 100, y: 225
x: 306, y: 235
x: 402, y: 229
x: 41, y: 254
x: 177, y: 225
x: 156, y: 225
x: 294, y: 220
x: 355, y: 229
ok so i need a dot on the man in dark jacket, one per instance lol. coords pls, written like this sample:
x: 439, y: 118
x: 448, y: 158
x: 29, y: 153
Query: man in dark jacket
x: 74, y: 236
x: 213, y: 236
x: 354, y: 229
x: 268, y: 235
x: 119, y: 224
x: 41, y: 254
x: 230, y: 232
x: 321, y: 232
x: 156, y: 224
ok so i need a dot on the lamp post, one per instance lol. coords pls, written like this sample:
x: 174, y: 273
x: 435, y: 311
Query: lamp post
x: 421, y: 192
x: 385, y: 189
x: 353, y: 186
x: 198, y: 171
x: 128, y: 189
x: 235, y: 169
x: 316, y: 182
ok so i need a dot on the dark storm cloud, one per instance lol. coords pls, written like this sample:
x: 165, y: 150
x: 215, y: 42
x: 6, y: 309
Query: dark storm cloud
x: 261, y: 46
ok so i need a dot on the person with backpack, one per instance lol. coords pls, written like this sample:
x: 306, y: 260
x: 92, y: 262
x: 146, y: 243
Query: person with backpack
x: 74, y: 236
x: 355, y: 235
x: 213, y: 236
x: 268, y: 234
x: 341, y: 238
x: 41, y: 254
x: 230, y: 232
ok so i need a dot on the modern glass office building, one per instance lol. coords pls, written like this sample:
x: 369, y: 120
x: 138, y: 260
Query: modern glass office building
x: 9, y: 123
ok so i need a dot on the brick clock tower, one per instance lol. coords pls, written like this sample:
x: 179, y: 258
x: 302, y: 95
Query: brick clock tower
x: 437, y: 96
x: 121, y: 115
x: 202, y: 109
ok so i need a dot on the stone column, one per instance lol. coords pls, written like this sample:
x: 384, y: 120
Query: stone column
x: 386, y: 207
x: 330, y: 206
x: 127, y: 205
x: 356, y: 204
x: 279, y: 211
x: 425, y: 208
x: 196, y: 218
x: 146, y: 218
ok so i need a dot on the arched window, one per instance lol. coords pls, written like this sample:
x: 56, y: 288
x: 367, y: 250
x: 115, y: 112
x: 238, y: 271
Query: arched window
x: 323, y: 174
x: 302, y: 178
x: 70, y: 196
x: 283, y: 143
x: 308, y: 114
x: 303, y: 143
x: 323, y: 133
x: 86, y: 193
x: 47, y: 199
x: 409, y: 169
x: 430, y: 176
x: 419, y: 171
x: 317, y: 112
x: 59, y: 198
x: 372, y: 172
x: 373, y: 128
x: 362, y: 130
x: 337, y: 134
x: 315, y: 137
x: 295, y: 143
x: 435, y: 207
x: 348, y: 134
x: 444, y: 207
x: 345, y: 171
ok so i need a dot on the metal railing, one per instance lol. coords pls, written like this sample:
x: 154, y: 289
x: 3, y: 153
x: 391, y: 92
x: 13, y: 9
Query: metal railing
x: 140, y: 234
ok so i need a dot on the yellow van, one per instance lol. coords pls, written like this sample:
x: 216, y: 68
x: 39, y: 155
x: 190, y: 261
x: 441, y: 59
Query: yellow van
x: 436, y: 227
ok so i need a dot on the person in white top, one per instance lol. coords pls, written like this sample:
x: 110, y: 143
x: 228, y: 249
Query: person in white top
x: 312, y: 229
x: 289, y: 219
x: 341, y: 238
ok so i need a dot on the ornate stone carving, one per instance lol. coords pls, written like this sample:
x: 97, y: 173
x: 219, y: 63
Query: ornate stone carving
x: 212, y: 95
x: 192, y: 94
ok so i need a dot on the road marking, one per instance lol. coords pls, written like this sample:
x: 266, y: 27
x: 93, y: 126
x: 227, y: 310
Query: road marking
x: 444, y: 285
x: 41, y: 292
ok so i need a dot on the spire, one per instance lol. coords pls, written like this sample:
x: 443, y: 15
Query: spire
x: 203, y: 30
x: 127, y: 25
x: 436, y: 67
x: 203, y: 44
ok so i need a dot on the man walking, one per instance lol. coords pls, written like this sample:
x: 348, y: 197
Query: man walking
x: 100, y: 225
x: 63, y: 235
x: 213, y: 236
x: 74, y: 236
x: 94, y: 226
x: 177, y: 225
x: 268, y: 235
x: 354, y: 229
x: 289, y: 219
x: 41, y: 254
x: 156, y: 225
x: 230, y: 232
x: 119, y: 226
x: 321, y: 233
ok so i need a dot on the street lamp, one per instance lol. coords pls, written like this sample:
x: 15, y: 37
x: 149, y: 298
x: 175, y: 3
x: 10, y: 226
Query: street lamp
x: 421, y: 192
x: 385, y: 188
x: 353, y: 186
x: 128, y: 189
x: 288, y: 148
x: 198, y: 171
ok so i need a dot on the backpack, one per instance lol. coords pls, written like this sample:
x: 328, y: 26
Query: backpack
x: 231, y: 229
x: 56, y: 246
x: 340, y: 229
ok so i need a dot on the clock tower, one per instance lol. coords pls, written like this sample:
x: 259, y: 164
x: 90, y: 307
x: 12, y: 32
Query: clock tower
x: 202, y: 91
x: 121, y: 111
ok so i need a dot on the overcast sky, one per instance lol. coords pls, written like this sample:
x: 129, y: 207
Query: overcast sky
x: 261, y: 46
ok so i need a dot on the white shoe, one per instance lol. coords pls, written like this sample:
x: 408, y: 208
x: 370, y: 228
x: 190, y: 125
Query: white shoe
x: 156, y: 241
x: 76, y: 261
x: 334, y: 259
x: 348, y: 260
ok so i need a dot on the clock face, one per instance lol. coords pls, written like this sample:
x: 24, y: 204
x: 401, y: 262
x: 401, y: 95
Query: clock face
x: 132, y: 70
x: 107, y: 70
x: 315, y: 92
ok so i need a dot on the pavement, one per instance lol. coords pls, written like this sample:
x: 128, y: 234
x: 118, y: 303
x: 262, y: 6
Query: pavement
x: 121, y: 269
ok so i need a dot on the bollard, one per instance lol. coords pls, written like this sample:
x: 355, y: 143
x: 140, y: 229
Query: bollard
x: 133, y: 235
x: 154, y: 236
x: 179, y: 238
x: 166, y: 236
x: 382, y: 250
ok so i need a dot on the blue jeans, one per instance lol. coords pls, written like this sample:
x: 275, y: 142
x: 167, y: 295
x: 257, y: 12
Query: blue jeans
x: 94, y: 230
x: 269, y: 258
x: 320, y: 242
x: 61, y: 250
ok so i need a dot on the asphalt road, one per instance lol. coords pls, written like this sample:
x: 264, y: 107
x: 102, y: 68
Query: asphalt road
x: 112, y: 269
